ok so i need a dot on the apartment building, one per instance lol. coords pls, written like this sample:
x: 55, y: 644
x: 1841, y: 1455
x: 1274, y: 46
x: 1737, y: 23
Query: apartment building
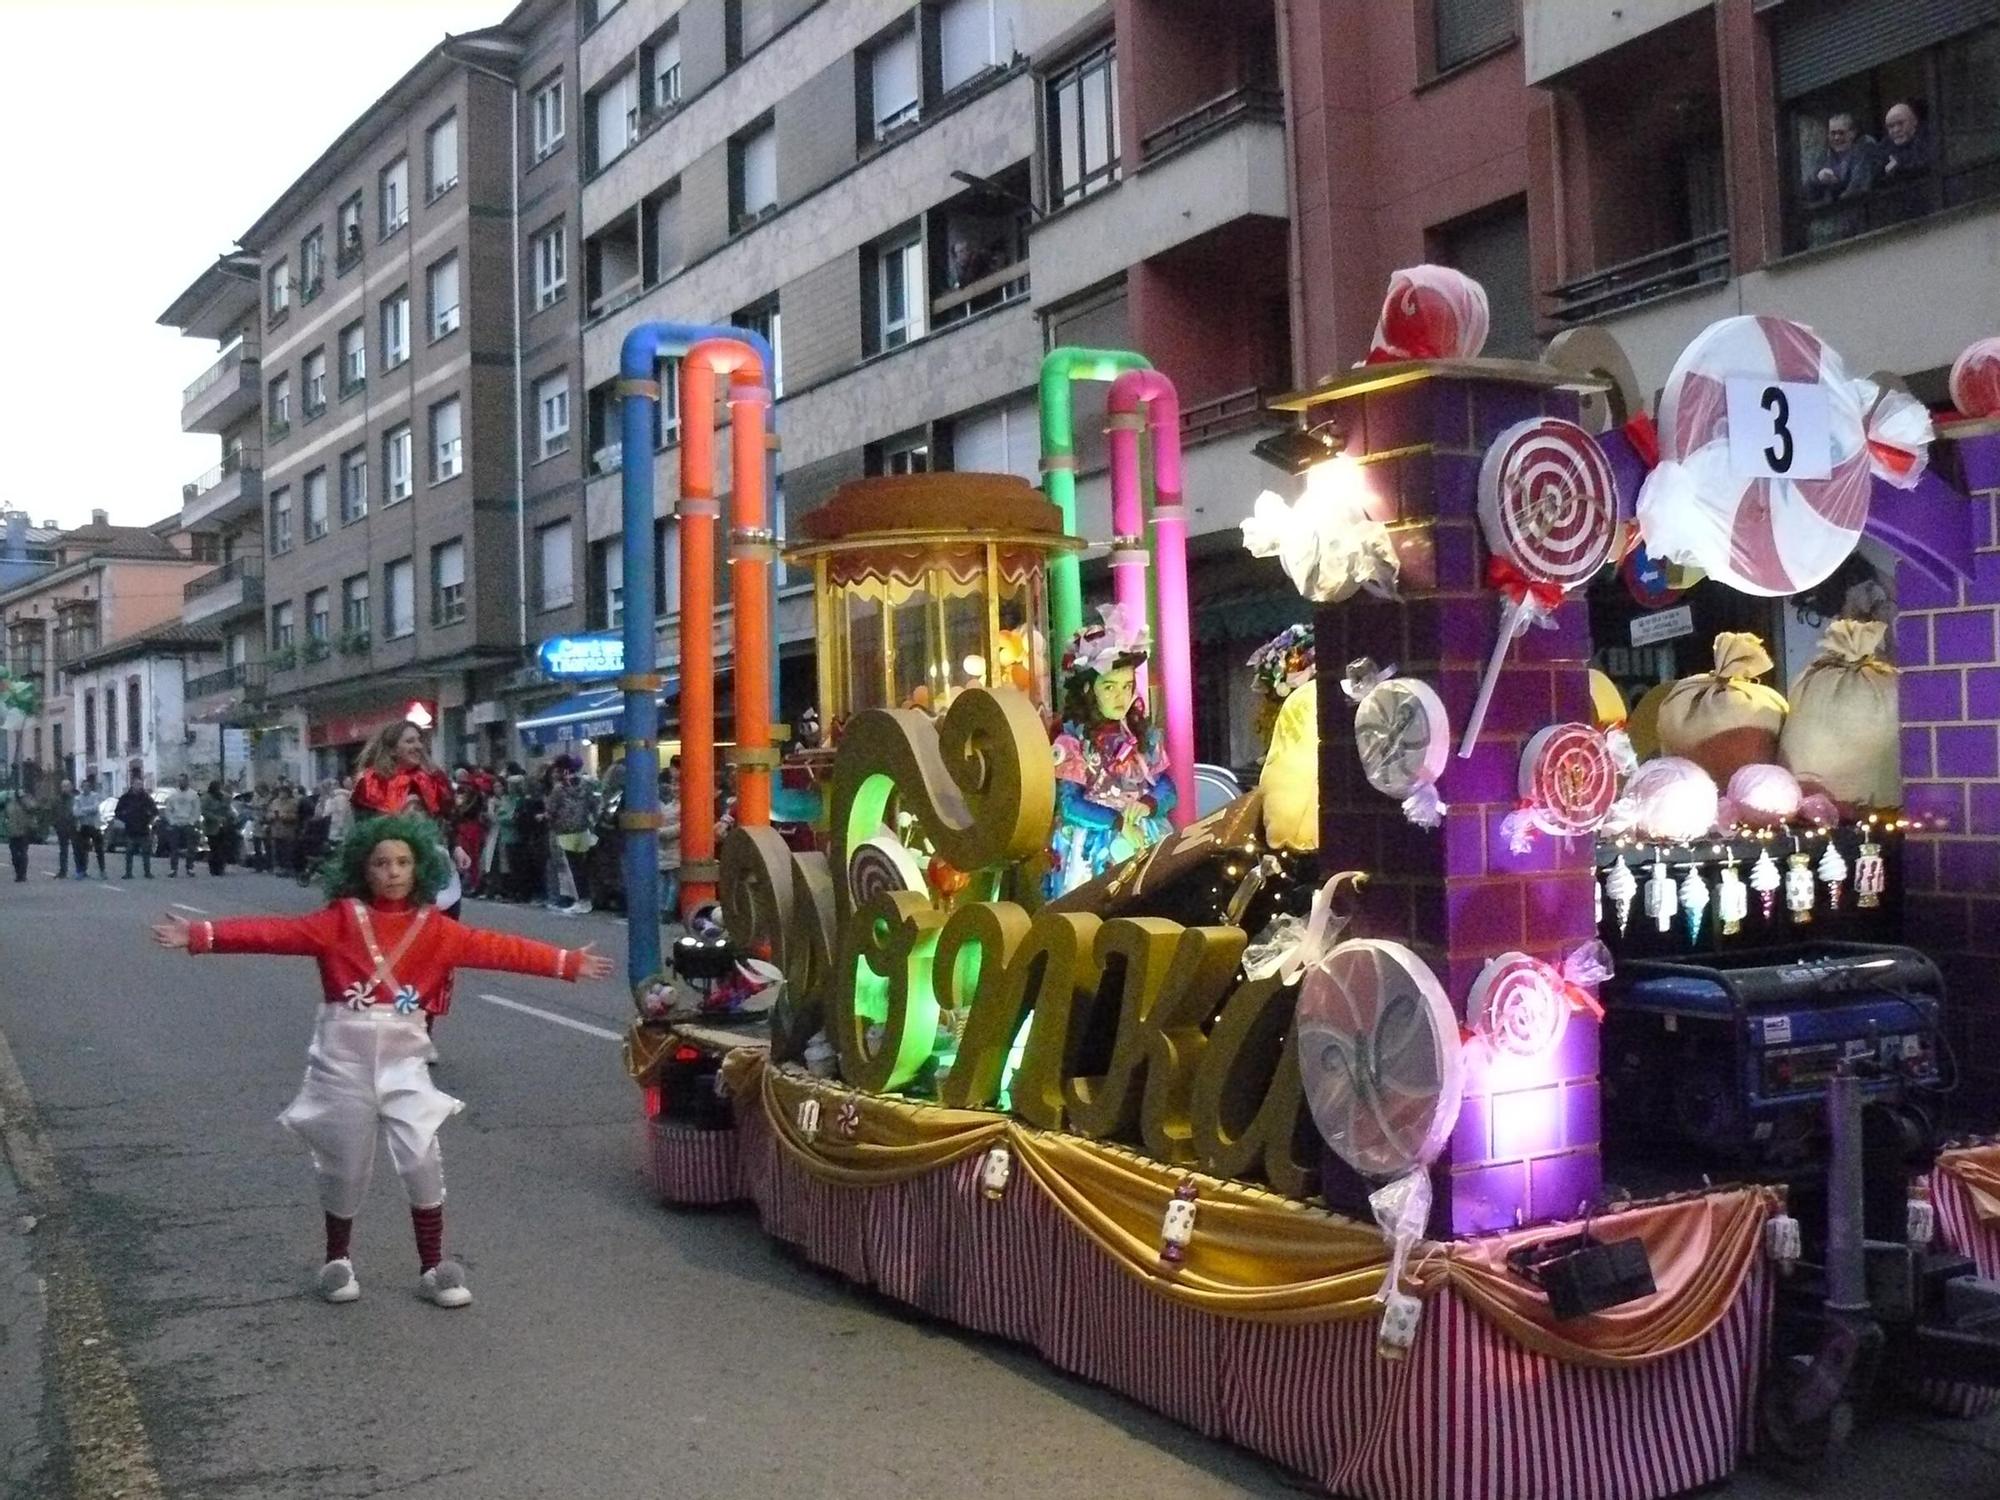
x: 104, y: 583
x: 1700, y: 196
x: 390, y: 409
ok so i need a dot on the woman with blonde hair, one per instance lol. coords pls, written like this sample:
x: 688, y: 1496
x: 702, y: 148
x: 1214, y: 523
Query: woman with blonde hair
x: 395, y: 774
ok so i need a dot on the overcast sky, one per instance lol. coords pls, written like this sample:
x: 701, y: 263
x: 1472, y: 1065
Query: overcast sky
x: 142, y: 138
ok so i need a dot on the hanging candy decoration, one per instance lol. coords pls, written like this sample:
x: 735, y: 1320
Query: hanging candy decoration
x: 1765, y: 880
x: 1662, y: 900
x: 1403, y: 736
x: 1799, y: 888
x: 1694, y: 901
x: 1548, y: 508
x: 1975, y: 379
x: 1431, y: 312
x: 1833, y: 873
x: 1774, y: 508
x: 1732, y: 900
x: 1568, y: 782
x: 1871, y: 875
x: 1620, y: 886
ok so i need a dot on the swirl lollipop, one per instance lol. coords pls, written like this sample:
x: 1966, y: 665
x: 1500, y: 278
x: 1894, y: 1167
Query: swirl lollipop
x: 1548, y: 507
x: 1519, y: 1004
x: 882, y: 864
x: 1975, y: 379
x: 1569, y: 779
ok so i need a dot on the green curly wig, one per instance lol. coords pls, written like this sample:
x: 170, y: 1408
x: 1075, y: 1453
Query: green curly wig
x: 346, y: 870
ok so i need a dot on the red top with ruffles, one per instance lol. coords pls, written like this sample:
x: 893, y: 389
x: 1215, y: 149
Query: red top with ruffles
x: 334, y: 938
x: 376, y: 793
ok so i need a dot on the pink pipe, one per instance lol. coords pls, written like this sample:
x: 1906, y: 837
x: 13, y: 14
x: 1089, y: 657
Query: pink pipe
x: 1174, y: 654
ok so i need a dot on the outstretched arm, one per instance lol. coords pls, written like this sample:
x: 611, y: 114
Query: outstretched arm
x: 482, y: 948
x: 301, y: 937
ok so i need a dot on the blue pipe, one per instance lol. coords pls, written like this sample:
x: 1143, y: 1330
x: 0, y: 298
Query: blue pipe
x: 639, y: 359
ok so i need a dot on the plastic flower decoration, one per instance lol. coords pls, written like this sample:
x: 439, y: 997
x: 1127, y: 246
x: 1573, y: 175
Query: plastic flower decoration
x: 1117, y: 638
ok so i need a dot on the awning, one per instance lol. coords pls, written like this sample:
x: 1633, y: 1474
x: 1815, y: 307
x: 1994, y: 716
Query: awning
x: 584, y: 716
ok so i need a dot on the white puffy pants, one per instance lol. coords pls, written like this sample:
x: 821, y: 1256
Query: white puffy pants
x: 365, y: 1076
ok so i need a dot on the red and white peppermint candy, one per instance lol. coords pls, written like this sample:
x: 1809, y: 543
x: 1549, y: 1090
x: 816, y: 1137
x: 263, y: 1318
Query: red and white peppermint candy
x: 1975, y: 379
x: 1519, y: 1004
x: 1569, y: 778
x: 1548, y: 501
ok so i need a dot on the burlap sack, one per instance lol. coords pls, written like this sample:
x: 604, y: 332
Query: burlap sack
x: 1725, y: 719
x: 1842, y: 738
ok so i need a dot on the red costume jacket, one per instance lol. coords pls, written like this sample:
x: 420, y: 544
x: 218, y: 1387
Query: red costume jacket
x: 333, y: 937
x: 376, y: 793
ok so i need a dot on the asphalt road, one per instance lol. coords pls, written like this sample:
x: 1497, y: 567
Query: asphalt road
x: 158, y: 1235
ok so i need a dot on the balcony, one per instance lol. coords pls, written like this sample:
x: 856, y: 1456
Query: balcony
x: 75, y: 639
x: 1211, y: 116
x: 245, y: 680
x: 1217, y: 164
x: 230, y: 491
x: 223, y: 394
x: 1642, y: 279
x: 236, y: 586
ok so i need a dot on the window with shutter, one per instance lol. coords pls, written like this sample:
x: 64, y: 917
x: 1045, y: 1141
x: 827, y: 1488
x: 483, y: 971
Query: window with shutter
x: 1465, y: 29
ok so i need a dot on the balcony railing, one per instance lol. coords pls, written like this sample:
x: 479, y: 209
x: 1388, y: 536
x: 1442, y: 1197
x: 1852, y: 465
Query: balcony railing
x: 249, y: 569
x: 245, y: 676
x: 1205, y: 119
x: 194, y: 489
x: 1644, y: 278
x: 215, y: 374
x: 990, y: 290
x: 75, y: 642
x: 1238, y: 411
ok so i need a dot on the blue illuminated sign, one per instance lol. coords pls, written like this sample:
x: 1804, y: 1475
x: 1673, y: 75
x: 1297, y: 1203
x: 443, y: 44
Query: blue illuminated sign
x: 583, y: 656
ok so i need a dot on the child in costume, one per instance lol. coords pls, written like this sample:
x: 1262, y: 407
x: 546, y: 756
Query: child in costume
x: 1113, y: 792
x: 385, y: 955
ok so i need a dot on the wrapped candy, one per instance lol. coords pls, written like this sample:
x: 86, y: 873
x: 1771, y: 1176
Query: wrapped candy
x: 1832, y: 873
x: 1762, y: 797
x: 1975, y: 379
x: 1871, y: 875
x: 1326, y: 541
x: 1431, y: 312
x: 1694, y: 901
x: 1403, y: 737
x: 1784, y: 532
x: 1765, y: 881
x: 1673, y: 800
x: 1799, y: 888
x: 1620, y: 886
x: 1732, y: 901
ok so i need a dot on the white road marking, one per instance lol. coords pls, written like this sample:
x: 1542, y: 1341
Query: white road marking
x: 199, y: 911
x: 549, y: 1015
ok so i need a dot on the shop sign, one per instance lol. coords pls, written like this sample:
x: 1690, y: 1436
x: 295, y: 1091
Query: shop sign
x: 1667, y: 625
x: 352, y: 729
x: 582, y: 656
x: 486, y: 711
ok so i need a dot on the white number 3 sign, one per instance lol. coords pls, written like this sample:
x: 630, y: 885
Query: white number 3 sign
x: 1778, y: 429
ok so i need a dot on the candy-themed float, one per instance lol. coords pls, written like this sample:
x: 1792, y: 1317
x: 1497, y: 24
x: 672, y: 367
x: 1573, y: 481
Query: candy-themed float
x: 1289, y: 1122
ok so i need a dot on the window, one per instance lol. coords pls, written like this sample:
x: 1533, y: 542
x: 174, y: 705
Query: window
x: 606, y: 609
x: 281, y: 626
x: 398, y: 462
x: 611, y: 264
x: 552, y: 407
x: 614, y: 119
x: 551, y: 265
x: 278, y: 290
x: 753, y: 174
x: 891, y: 79
x: 394, y: 195
x: 312, y: 264
x: 441, y: 157
x: 395, y: 328
x: 447, y: 443
x: 280, y: 405
x: 1465, y: 29
x: 974, y: 35
x: 1082, y: 127
x: 448, y: 583
x: 314, y: 489
x: 664, y: 249
x: 312, y: 375
x: 281, y: 520
x: 746, y: 26
x: 662, y: 63
x: 762, y: 317
x: 443, y: 280
x: 353, y: 357
x: 552, y: 548
x: 353, y: 485
x: 399, y: 599
x: 979, y: 249
x: 347, y: 233
x: 546, y: 105
x: 899, y: 297
x: 90, y: 723
x: 1002, y: 439
x: 354, y: 605
x: 319, y: 614
x: 908, y: 453
x: 110, y: 720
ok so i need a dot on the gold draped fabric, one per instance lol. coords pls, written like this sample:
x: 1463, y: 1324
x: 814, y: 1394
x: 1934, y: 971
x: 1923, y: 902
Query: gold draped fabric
x: 1257, y: 1255
x: 1977, y: 1169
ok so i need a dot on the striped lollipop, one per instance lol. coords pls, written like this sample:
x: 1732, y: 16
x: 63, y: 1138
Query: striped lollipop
x: 1519, y: 1004
x: 1569, y: 778
x: 1975, y: 379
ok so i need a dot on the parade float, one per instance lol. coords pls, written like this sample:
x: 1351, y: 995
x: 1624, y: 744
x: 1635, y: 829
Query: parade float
x: 1295, y: 1121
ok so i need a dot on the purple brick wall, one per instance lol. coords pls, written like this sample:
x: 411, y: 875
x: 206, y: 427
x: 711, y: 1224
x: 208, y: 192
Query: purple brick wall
x: 1526, y: 1146
x: 1948, y: 644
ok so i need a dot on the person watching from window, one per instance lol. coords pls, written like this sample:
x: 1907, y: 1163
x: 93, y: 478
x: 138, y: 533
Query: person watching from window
x: 1847, y: 167
x: 1906, y: 154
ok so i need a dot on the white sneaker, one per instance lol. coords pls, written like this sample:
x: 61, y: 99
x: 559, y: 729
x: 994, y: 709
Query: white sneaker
x: 444, y: 1285
x: 430, y: 1054
x: 581, y: 909
x: 336, y: 1281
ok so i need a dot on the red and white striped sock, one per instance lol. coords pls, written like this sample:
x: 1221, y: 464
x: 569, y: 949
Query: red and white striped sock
x: 429, y: 1224
x: 339, y: 1234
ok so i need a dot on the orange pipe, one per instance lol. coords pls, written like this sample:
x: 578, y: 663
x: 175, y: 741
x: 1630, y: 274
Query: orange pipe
x: 697, y: 522
x: 751, y: 549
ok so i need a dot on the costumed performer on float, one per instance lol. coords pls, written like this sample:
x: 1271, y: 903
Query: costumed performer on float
x: 1113, y: 792
x: 385, y: 955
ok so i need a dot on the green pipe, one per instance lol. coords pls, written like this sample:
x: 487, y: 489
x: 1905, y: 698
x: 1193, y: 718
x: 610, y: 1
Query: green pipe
x: 1059, y: 368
